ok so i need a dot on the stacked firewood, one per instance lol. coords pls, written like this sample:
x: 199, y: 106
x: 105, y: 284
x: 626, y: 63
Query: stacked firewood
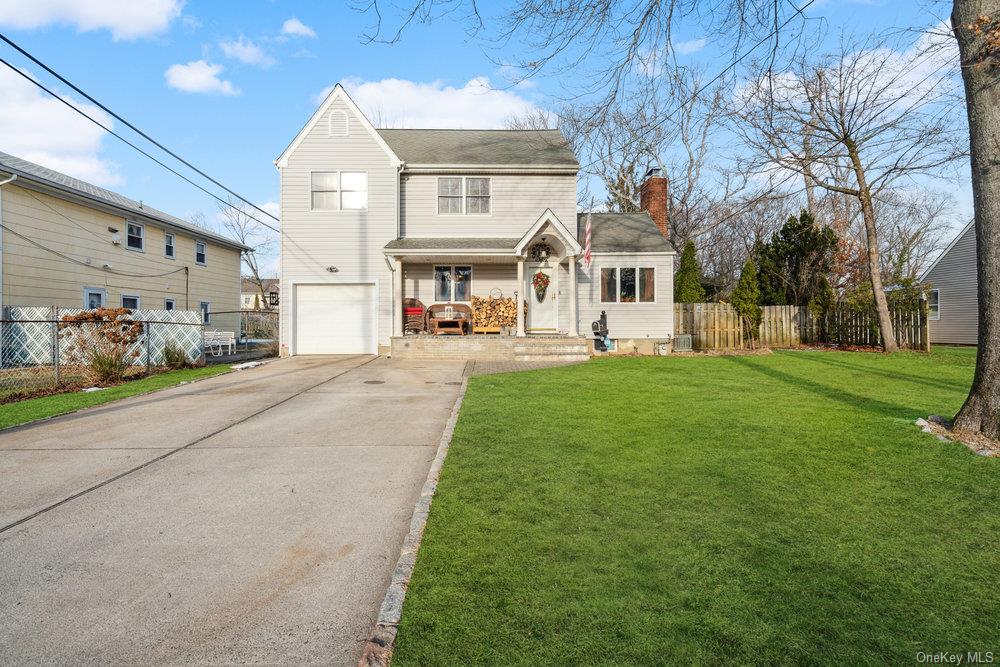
x: 493, y: 312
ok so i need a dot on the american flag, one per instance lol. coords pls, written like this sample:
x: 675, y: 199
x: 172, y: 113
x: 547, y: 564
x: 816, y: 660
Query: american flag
x: 586, y: 243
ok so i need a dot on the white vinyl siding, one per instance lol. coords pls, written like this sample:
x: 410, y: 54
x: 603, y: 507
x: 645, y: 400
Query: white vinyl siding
x: 515, y: 203
x: 954, y: 276
x: 349, y: 240
x: 640, y: 319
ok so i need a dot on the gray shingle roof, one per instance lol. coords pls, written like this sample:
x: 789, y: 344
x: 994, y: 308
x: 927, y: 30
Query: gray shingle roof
x: 411, y: 243
x: 622, y: 232
x: 30, y: 171
x: 534, y: 148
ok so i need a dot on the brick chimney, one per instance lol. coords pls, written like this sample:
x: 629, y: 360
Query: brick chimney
x: 653, y: 200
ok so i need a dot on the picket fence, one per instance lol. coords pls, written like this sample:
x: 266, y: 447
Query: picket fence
x: 716, y: 326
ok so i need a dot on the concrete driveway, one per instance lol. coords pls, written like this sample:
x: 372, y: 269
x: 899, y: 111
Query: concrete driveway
x: 252, y: 517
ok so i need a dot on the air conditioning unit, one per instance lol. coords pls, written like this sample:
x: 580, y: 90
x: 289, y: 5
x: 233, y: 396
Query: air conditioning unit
x: 682, y: 343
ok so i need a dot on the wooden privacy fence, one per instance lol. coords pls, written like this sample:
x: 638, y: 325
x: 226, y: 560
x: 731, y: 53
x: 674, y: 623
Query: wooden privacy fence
x: 716, y: 326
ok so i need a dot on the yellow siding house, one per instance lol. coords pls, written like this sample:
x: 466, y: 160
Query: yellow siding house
x: 67, y: 243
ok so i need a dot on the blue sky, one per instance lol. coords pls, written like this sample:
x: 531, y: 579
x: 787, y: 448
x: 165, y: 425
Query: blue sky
x: 228, y: 84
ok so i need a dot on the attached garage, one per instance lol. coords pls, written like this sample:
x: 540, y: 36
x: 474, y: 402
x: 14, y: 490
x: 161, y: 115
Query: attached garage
x: 335, y: 319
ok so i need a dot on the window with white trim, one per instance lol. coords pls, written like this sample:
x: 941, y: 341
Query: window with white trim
x: 469, y: 196
x: 628, y: 284
x: 449, y: 196
x: 169, y: 304
x: 200, y: 253
x: 934, y: 304
x: 169, y: 251
x: 94, y: 297
x: 339, y: 190
x: 135, y: 236
x: 206, y: 312
x: 453, y: 283
x: 130, y: 301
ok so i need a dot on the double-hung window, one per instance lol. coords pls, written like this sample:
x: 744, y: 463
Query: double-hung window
x: 453, y: 283
x: 135, y: 235
x: 339, y: 190
x: 471, y: 196
x: 199, y: 253
x: 628, y: 284
x: 168, y: 246
x: 934, y: 304
x: 450, y: 196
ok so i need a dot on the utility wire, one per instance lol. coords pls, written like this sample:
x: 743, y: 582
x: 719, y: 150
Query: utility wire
x: 132, y: 145
x: 132, y: 127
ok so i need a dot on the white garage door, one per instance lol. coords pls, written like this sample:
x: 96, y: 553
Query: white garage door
x: 335, y: 319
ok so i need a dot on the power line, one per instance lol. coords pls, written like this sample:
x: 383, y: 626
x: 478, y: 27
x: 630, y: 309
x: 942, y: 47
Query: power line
x: 132, y: 127
x: 132, y: 145
x: 798, y: 12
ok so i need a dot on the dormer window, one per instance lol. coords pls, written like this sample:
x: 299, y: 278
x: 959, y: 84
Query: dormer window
x: 337, y: 123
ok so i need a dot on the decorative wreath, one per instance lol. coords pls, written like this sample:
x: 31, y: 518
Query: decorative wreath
x: 540, y: 251
x: 540, y: 281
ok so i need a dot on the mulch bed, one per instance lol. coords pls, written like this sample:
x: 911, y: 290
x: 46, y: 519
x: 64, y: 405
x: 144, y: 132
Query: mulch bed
x: 944, y: 430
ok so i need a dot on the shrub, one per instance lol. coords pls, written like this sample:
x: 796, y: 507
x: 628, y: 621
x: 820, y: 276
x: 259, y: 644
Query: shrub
x: 174, y: 356
x: 687, y: 282
x: 746, y: 301
x: 103, y: 341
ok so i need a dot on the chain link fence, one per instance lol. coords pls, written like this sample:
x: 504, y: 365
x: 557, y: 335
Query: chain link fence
x: 40, y: 351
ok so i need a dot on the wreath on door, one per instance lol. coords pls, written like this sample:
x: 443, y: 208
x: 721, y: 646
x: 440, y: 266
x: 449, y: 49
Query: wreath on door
x: 540, y: 281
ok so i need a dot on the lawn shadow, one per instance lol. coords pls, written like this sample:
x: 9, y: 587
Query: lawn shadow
x: 866, y: 403
x: 945, y: 385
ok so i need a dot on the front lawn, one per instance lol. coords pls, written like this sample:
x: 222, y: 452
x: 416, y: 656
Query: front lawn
x: 778, y: 509
x: 31, y: 409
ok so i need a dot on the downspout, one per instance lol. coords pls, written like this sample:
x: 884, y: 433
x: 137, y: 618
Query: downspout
x: 11, y: 179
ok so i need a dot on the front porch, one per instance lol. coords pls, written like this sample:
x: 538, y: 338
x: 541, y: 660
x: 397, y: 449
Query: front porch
x: 558, y: 348
x: 503, y: 287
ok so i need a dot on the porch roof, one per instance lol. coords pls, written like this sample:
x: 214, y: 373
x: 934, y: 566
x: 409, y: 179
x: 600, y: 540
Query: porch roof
x: 452, y: 244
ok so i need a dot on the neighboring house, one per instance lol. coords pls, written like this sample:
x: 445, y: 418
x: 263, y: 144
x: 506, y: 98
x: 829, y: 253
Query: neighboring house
x: 71, y: 244
x: 373, y: 216
x: 952, y: 300
x: 250, y: 294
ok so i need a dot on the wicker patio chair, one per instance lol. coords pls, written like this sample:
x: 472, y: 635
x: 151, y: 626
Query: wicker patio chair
x: 414, y: 316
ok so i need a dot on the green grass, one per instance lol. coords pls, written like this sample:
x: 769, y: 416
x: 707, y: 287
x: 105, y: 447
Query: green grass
x: 745, y: 509
x: 29, y: 410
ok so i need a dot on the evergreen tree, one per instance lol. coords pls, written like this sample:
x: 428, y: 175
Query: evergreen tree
x: 793, y: 266
x: 687, y: 282
x: 746, y: 300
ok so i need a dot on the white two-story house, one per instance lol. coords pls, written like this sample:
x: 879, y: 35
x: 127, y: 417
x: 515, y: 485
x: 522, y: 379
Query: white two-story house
x: 371, y: 217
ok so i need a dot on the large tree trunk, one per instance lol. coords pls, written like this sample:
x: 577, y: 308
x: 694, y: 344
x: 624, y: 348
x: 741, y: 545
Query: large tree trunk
x: 874, y: 265
x: 980, y: 55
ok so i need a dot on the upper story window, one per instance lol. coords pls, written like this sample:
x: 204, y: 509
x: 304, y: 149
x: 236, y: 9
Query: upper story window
x: 200, y: 253
x: 168, y: 246
x: 457, y: 195
x: 628, y: 284
x: 339, y: 190
x: 135, y: 236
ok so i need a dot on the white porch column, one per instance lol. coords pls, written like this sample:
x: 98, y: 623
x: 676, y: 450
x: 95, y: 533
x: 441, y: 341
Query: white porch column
x: 397, y: 297
x: 520, y: 296
x: 574, y: 329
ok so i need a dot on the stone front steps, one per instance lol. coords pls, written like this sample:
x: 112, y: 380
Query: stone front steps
x: 492, y: 348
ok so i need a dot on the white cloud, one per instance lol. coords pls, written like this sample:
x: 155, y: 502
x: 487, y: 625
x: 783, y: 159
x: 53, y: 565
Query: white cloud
x: 246, y: 51
x: 41, y: 129
x: 297, y: 28
x: 199, y: 76
x: 271, y: 207
x: 125, y: 20
x: 402, y: 103
x: 691, y: 46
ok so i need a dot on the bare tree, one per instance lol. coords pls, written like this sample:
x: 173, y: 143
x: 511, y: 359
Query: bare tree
x: 241, y: 225
x: 532, y: 119
x: 977, y: 28
x: 868, y: 115
x: 912, y: 227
